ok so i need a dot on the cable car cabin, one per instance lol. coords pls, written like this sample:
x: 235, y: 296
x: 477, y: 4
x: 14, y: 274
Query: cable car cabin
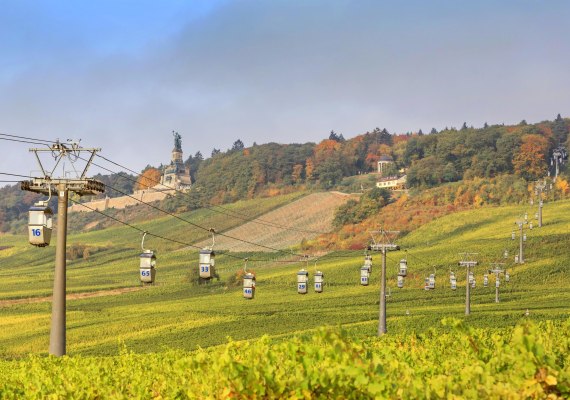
x: 368, y: 262
x: 471, y: 278
x: 302, y: 280
x: 403, y: 270
x: 207, y: 263
x: 507, y: 277
x: 249, y: 286
x: 147, y: 272
x: 453, y: 284
x: 452, y: 276
x: 40, y: 223
x: 400, y: 281
x: 432, y: 281
x: 364, y: 276
x: 485, y: 280
x: 319, y: 280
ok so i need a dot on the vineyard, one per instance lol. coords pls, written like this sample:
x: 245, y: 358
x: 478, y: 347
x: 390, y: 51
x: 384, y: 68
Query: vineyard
x: 527, y: 361
x: 126, y: 340
x: 306, y: 218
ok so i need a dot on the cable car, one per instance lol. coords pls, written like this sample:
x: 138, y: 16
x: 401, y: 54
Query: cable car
x: 516, y: 259
x: 249, y: 286
x: 147, y: 272
x: 485, y: 280
x: 302, y: 280
x: 507, y: 277
x: 368, y: 262
x: 319, y: 277
x: 403, y: 270
x: 40, y: 224
x: 432, y: 281
x: 207, y: 263
x: 400, y: 281
x: 364, y: 276
x: 453, y: 284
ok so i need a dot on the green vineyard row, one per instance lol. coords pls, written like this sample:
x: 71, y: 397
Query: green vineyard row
x: 453, y: 361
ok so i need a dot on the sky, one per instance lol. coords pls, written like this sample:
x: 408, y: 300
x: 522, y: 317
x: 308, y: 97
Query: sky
x: 121, y: 75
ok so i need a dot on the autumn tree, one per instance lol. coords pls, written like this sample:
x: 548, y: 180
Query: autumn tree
x: 530, y: 161
x: 297, y: 174
x: 563, y: 186
x: 309, y: 169
x: 149, y: 178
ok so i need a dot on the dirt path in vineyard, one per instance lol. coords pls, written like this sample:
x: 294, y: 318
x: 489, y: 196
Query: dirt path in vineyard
x: 71, y: 296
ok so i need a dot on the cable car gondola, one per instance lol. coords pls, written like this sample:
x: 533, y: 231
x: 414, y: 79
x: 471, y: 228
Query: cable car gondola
x: 302, y: 280
x: 147, y: 271
x: 207, y: 263
x: 431, y: 281
x: 368, y: 262
x: 319, y: 280
x: 364, y: 276
x: 207, y: 260
x: 249, y: 286
x: 452, y: 280
x: 403, y: 270
x: 40, y: 224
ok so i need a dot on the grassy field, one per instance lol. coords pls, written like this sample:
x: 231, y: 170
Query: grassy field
x: 174, y: 313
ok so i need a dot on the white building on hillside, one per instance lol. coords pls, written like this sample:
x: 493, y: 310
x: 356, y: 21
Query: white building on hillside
x: 392, y: 182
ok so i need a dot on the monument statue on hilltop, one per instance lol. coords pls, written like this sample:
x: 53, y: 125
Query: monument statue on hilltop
x: 177, y: 141
x: 176, y: 175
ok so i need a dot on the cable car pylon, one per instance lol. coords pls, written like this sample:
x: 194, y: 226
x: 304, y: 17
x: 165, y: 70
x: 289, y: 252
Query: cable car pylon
x: 384, y: 243
x: 80, y: 185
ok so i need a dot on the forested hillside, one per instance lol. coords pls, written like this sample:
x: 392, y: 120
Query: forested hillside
x: 451, y: 155
x: 429, y: 159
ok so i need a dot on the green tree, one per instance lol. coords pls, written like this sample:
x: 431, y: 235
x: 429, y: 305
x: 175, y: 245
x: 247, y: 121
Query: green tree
x: 238, y: 145
x: 560, y: 129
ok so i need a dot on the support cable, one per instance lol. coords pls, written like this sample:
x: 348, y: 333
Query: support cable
x: 234, y: 213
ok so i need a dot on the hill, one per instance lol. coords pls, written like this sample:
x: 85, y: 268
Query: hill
x: 177, y: 313
x: 451, y: 155
x: 305, y: 218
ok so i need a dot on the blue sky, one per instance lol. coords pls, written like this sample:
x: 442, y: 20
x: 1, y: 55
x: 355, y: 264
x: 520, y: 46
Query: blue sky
x: 121, y: 75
